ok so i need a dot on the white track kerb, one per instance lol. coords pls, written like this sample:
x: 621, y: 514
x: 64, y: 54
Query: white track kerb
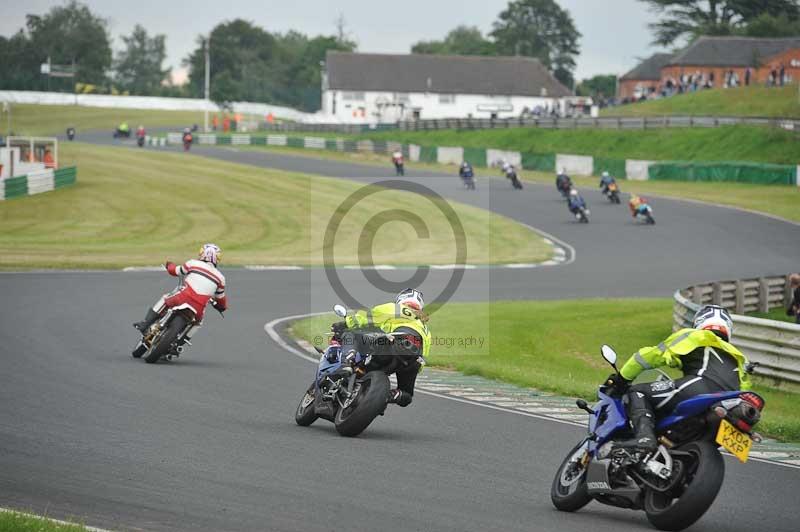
x: 310, y: 355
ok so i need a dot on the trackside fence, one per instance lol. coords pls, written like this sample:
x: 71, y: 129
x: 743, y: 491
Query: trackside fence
x: 732, y: 171
x: 36, y: 183
x: 775, y: 345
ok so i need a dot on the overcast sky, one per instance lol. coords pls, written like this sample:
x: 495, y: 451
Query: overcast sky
x: 614, y: 32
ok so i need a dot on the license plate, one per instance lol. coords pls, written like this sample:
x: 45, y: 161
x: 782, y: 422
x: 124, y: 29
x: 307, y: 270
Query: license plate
x: 734, y: 440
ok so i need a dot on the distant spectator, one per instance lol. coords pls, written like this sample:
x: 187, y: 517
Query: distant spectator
x: 226, y: 123
x: 215, y: 122
x: 794, y: 305
x: 782, y: 74
x: 48, y: 160
x: 773, y: 77
x: 711, y: 79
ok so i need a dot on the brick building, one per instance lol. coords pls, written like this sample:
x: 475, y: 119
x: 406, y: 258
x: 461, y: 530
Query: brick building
x: 644, y: 78
x: 713, y: 60
x: 716, y: 56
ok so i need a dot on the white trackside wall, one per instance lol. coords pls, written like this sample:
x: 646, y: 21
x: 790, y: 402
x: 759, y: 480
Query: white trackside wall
x: 389, y: 107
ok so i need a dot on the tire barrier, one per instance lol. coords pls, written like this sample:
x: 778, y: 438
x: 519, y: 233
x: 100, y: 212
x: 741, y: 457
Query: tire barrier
x: 775, y: 345
x: 36, y: 183
x: 583, y: 165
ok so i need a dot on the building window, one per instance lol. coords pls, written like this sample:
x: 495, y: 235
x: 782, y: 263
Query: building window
x: 447, y: 98
x: 353, y: 96
x: 402, y: 97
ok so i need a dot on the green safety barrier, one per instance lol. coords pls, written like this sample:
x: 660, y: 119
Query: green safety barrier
x: 476, y: 157
x: 16, y: 187
x: 258, y: 141
x: 737, y: 172
x: 296, y: 142
x: 331, y: 144
x: 543, y: 162
x: 615, y: 167
x: 65, y: 176
x: 225, y: 139
x: 428, y: 154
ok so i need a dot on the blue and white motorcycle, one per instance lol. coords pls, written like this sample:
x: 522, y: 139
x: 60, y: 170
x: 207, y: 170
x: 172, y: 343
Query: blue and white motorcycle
x: 677, y: 483
x: 350, y: 389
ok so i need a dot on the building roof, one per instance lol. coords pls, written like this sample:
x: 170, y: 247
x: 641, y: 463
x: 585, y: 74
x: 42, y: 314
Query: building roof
x: 732, y: 51
x: 451, y: 74
x: 649, y: 69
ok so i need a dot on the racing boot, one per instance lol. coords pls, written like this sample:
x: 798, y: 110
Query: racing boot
x: 148, y: 320
x: 399, y: 397
x: 641, y: 414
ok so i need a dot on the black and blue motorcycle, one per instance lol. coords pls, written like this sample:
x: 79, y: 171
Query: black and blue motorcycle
x: 350, y: 388
x: 675, y: 484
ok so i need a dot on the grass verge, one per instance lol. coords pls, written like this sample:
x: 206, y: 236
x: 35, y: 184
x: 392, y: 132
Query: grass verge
x: 139, y: 207
x: 778, y: 314
x: 779, y: 102
x: 554, y: 346
x: 18, y: 522
x: 769, y: 199
x: 32, y: 119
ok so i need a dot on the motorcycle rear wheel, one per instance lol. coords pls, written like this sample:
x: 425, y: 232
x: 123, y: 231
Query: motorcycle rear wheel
x: 305, y: 414
x: 371, y: 401
x: 174, y: 328
x: 569, y: 492
x: 697, y: 491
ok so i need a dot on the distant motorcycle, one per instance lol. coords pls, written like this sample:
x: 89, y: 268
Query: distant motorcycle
x: 467, y: 176
x: 71, y: 133
x: 187, y: 141
x: 140, y: 141
x: 399, y: 165
x: 612, y: 193
x: 122, y: 133
x: 646, y: 212
x: 512, y: 175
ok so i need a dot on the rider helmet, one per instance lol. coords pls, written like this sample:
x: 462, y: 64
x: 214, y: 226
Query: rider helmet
x: 410, y: 298
x: 605, y: 174
x: 573, y: 192
x: 715, y: 319
x: 210, y: 253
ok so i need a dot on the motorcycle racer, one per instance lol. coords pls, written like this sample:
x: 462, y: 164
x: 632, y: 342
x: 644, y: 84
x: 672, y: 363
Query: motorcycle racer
x: 405, y: 315
x: 202, y: 283
x: 710, y: 363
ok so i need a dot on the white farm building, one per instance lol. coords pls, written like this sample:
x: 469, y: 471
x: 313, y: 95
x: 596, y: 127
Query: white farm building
x: 382, y: 88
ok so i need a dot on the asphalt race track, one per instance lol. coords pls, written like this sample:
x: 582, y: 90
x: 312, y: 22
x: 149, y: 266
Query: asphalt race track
x: 209, y: 443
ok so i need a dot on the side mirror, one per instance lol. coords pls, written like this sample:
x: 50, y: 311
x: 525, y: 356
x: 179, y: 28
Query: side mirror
x: 609, y: 355
x: 339, y: 310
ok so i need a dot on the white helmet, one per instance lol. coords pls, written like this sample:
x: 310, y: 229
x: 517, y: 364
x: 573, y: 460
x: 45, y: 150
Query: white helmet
x: 605, y: 174
x: 716, y: 319
x: 411, y: 298
x: 573, y: 192
x: 210, y: 253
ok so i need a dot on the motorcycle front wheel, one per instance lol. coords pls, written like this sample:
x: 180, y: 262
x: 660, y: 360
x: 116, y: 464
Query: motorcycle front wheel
x: 370, y: 401
x: 684, y: 504
x: 569, y: 492
x: 305, y: 414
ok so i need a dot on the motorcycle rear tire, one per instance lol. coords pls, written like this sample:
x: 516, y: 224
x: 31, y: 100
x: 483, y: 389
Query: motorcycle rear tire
x: 305, y: 416
x: 370, y: 403
x: 174, y: 328
x: 706, y: 476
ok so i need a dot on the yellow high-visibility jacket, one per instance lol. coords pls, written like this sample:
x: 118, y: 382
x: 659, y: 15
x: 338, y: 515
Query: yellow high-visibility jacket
x: 389, y: 317
x: 681, y: 343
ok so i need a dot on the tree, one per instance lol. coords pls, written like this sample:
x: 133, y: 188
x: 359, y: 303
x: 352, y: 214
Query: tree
x: 693, y: 18
x: 766, y: 25
x: 138, y: 66
x: 463, y: 40
x: 601, y: 86
x: 540, y: 29
x: 73, y: 34
x: 249, y: 63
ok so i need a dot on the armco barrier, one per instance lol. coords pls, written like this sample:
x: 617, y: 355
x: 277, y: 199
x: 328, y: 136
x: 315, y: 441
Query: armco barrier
x: 36, y: 183
x: 775, y: 345
x: 543, y: 162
